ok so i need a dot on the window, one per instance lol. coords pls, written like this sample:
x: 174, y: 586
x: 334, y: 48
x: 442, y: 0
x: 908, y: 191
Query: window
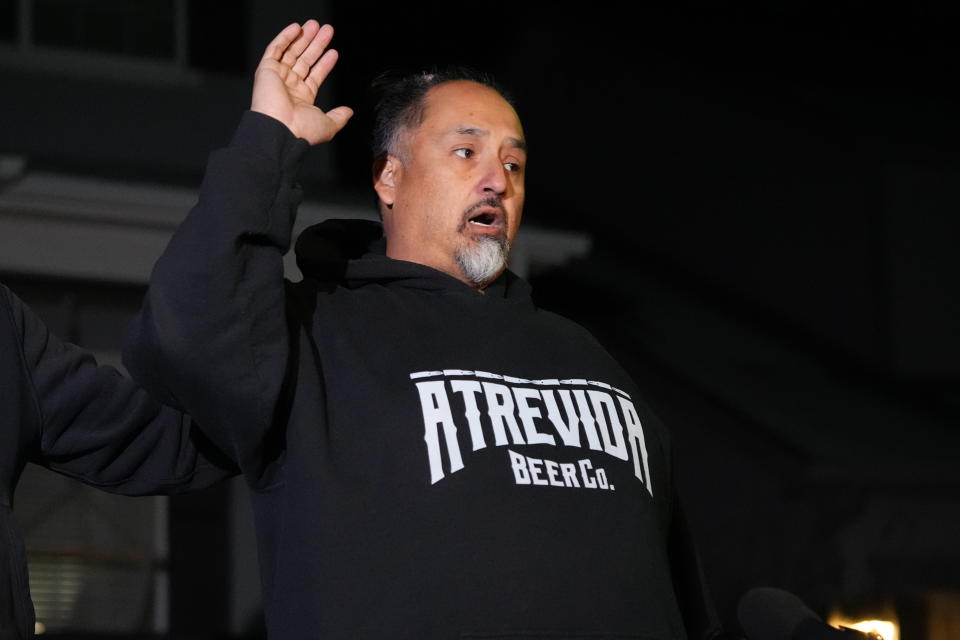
x: 98, y: 562
x: 8, y: 22
x: 93, y: 36
x: 146, y: 28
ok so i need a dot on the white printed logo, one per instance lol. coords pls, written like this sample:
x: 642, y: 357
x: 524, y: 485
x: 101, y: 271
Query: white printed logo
x: 517, y: 411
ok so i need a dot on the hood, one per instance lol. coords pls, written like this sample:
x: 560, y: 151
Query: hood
x: 352, y: 253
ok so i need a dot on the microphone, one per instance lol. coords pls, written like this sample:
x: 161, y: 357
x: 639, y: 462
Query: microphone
x: 767, y: 613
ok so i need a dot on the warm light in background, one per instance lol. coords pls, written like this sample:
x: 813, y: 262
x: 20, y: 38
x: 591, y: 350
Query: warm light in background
x: 38, y: 628
x: 887, y: 629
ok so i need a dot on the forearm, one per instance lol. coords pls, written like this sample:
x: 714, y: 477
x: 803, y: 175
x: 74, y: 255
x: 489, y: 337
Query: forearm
x: 87, y: 421
x: 211, y: 337
x: 112, y: 435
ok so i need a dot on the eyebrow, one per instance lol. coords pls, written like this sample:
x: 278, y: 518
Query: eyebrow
x: 474, y: 131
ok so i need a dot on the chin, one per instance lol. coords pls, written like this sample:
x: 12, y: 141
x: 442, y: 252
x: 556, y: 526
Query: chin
x: 481, y: 262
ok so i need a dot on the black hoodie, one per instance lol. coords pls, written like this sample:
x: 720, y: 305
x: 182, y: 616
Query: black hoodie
x: 425, y: 461
x: 61, y: 410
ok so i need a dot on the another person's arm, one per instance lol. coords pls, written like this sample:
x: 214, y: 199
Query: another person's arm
x: 89, y: 422
x: 212, y: 337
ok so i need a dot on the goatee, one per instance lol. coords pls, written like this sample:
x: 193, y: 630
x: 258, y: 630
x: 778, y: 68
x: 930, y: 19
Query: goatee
x: 482, y: 260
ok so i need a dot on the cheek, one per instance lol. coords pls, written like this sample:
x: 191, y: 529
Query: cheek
x: 436, y: 212
x: 515, y: 218
x: 433, y: 186
x: 419, y: 195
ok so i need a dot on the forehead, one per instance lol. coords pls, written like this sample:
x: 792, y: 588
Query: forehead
x: 466, y: 104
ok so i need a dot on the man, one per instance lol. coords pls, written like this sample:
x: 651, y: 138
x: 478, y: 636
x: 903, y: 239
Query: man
x: 430, y: 455
x: 65, y: 412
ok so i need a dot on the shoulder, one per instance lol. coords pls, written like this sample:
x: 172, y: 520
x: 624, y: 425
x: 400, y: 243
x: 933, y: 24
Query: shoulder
x: 5, y: 296
x: 11, y: 312
x: 567, y: 326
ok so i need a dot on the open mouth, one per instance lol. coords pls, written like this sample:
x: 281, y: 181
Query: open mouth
x: 484, y: 219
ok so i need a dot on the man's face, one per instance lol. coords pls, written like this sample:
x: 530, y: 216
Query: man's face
x: 455, y: 195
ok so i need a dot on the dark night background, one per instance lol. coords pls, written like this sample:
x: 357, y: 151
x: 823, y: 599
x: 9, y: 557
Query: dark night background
x: 771, y: 197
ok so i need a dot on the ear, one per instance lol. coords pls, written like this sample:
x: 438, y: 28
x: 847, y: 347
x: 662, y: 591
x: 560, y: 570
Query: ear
x: 385, y: 179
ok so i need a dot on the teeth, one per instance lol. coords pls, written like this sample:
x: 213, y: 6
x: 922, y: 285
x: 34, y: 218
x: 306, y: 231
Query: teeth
x: 484, y: 219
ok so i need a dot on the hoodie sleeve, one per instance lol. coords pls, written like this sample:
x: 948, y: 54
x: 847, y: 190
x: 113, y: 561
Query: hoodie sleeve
x: 89, y: 422
x: 211, y: 336
x: 690, y: 585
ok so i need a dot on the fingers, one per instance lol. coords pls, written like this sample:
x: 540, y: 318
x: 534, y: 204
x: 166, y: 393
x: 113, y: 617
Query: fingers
x: 298, y: 44
x: 297, y: 53
x: 279, y: 44
x: 309, y: 55
x: 320, y: 70
x: 301, y: 42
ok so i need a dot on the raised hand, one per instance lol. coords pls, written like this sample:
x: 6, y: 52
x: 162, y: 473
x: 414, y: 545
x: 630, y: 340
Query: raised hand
x: 285, y: 85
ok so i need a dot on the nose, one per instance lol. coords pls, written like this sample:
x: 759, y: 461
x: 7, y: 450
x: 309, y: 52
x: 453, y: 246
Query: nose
x: 495, y: 179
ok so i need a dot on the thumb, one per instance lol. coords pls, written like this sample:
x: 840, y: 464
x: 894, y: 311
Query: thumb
x: 340, y: 116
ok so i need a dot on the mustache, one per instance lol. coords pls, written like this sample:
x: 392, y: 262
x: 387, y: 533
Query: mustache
x: 493, y: 202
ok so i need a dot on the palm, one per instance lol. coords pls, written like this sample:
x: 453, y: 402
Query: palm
x: 288, y: 78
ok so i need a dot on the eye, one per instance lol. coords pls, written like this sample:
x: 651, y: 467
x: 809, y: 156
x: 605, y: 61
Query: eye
x: 463, y: 152
x: 512, y: 167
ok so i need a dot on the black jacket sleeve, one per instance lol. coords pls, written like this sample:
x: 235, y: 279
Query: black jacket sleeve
x: 88, y: 421
x: 690, y: 584
x: 211, y: 336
